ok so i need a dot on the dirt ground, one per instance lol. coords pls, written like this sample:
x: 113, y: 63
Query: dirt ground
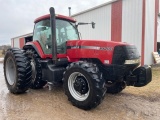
x: 131, y: 104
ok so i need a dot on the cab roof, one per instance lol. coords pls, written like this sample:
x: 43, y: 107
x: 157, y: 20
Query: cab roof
x: 57, y: 16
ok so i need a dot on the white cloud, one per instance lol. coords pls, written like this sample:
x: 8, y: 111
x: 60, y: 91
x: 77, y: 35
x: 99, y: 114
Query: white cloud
x: 17, y: 16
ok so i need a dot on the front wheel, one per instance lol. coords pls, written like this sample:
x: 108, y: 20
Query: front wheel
x: 84, y: 85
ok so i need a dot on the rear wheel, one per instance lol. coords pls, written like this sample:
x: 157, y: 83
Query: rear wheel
x: 84, y: 85
x: 37, y: 81
x: 17, y: 71
x: 116, y: 88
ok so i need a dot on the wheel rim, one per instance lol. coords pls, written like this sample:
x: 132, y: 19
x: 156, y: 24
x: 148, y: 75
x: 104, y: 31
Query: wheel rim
x: 74, y: 92
x: 33, y: 70
x: 10, y: 71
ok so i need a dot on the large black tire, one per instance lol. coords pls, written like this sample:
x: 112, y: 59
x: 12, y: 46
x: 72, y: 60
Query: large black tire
x: 116, y: 88
x: 37, y: 82
x: 84, y: 85
x: 17, y: 71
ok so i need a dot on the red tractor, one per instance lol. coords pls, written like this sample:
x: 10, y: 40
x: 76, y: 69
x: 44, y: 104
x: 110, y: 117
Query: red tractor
x: 86, y: 68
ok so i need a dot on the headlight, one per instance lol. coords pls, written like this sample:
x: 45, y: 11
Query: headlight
x: 135, y: 61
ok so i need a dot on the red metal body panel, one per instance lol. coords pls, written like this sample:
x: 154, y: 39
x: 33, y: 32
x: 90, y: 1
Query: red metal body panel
x: 143, y: 31
x: 116, y: 18
x: 57, y: 16
x: 101, y: 54
x: 155, y: 32
x: 102, y: 50
x: 22, y: 42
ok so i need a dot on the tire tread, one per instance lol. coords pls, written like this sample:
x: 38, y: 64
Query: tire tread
x: 98, y: 83
x: 22, y: 68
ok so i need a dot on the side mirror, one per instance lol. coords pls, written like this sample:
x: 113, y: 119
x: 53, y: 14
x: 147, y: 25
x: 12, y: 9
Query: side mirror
x: 81, y: 23
x: 93, y: 25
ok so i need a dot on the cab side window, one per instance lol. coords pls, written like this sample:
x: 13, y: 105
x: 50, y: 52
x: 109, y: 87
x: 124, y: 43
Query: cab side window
x: 42, y: 33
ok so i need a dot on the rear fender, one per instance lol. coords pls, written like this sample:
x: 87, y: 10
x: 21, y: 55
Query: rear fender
x: 38, y: 49
x: 30, y: 45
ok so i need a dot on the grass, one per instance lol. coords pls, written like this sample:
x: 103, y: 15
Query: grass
x: 156, y: 70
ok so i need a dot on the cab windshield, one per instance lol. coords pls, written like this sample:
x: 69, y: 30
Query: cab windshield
x: 65, y: 31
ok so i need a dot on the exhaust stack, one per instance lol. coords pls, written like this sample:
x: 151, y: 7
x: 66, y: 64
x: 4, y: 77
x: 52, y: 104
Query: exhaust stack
x: 69, y: 8
x: 53, y: 34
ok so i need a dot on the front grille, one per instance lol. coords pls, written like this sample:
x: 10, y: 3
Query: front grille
x: 124, y: 52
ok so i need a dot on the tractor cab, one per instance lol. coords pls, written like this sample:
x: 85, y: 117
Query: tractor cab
x: 65, y: 30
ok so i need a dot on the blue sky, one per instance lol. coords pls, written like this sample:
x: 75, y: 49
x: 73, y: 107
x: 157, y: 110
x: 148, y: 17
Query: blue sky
x: 17, y: 16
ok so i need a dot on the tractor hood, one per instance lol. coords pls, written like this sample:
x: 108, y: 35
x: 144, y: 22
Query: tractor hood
x: 95, y: 43
x: 108, y: 52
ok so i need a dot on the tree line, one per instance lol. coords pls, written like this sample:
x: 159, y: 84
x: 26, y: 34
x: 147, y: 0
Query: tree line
x: 4, y: 48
